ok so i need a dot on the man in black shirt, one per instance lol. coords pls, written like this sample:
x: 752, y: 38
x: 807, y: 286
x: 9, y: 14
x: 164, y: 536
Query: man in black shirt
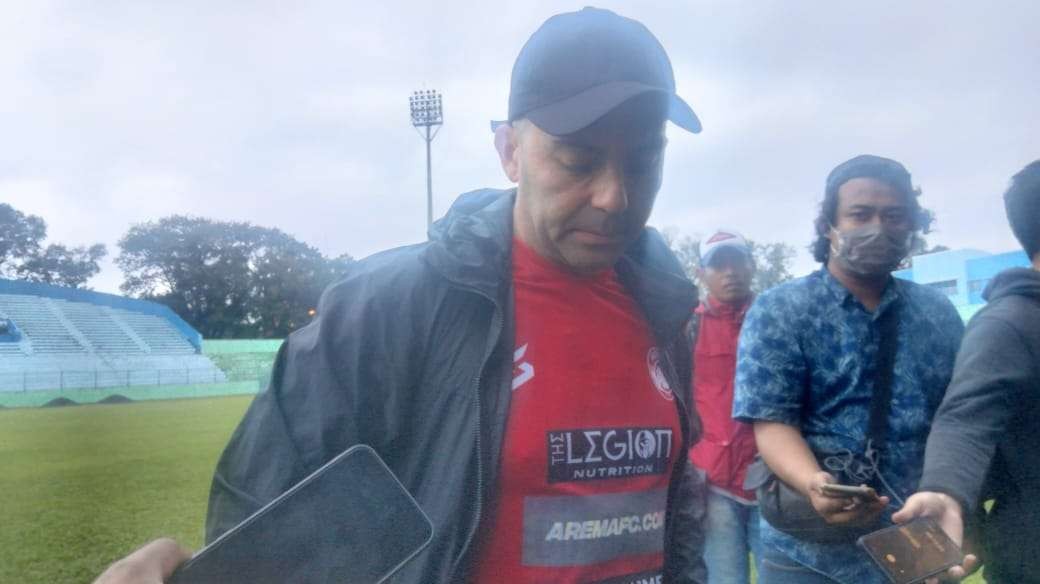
x: 983, y: 443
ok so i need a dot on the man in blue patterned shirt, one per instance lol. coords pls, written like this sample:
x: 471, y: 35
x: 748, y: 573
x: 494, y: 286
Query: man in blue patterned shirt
x: 806, y: 367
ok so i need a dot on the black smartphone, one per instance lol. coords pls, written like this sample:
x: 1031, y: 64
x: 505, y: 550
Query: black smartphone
x: 349, y: 522
x: 855, y: 491
x: 913, y: 551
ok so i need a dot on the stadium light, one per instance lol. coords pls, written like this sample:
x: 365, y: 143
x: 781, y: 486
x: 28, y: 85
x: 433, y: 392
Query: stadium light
x: 427, y: 113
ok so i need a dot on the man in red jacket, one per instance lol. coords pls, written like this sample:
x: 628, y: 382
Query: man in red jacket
x: 727, y: 447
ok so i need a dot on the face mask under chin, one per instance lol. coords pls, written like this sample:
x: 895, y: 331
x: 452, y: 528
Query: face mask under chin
x: 870, y: 251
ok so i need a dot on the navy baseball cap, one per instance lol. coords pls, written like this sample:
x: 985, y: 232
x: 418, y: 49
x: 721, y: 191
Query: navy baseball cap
x: 578, y: 66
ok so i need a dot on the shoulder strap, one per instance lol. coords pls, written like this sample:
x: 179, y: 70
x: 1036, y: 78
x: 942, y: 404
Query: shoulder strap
x: 881, y: 400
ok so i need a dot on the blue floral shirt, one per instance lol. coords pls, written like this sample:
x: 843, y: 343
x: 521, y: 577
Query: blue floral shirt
x: 806, y: 358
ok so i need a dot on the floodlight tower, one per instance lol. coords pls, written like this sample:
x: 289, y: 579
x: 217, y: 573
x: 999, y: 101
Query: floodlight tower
x: 427, y: 113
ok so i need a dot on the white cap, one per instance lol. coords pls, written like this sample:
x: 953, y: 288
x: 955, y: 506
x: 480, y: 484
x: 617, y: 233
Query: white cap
x: 723, y: 238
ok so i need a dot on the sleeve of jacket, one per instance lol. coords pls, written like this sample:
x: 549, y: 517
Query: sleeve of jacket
x: 993, y: 369
x: 688, y: 538
x: 320, y: 401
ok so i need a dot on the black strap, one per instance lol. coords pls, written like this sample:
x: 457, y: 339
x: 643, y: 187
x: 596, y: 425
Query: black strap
x: 881, y: 400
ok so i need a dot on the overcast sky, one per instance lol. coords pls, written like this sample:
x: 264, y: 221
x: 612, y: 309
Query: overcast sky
x: 295, y: 114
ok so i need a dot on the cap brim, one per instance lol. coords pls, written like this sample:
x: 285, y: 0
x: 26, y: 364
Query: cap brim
x: 582, y: 110
x: 710, y: 255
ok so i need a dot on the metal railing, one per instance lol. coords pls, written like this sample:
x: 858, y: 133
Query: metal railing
x: 105, y: 378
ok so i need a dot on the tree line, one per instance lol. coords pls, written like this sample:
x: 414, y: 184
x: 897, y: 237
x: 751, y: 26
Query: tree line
x: 24, y: 257
x: 234, y: 279
x: 226, y: 279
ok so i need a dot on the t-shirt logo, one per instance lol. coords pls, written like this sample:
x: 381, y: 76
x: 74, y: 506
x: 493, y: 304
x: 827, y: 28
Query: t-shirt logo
x: 653, y: 363
x: 646, y: 444
x: 522, y: 370
x: 589, y: 529
x: 607, y: 453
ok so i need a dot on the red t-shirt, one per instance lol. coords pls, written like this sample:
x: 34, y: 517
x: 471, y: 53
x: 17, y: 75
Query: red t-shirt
x: 591, y: 436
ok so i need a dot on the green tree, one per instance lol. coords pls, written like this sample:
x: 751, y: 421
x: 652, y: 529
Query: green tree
x: 688, y: 251
x: 227, y: 279
x: 23, y: 256
x: 920, y: 247
x: 287, y: 278
x: 772, y: 264
x: 20, y: 237
x: 63, y: 266
x: 195, y: 266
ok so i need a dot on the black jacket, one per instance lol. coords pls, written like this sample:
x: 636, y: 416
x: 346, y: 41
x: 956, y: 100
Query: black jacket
x: 412, y: 354
x: 984, y: 441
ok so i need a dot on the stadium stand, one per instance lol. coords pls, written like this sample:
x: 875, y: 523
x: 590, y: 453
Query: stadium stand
x: 244, y: 359
x: 155, y: 333
x: 66, y: 339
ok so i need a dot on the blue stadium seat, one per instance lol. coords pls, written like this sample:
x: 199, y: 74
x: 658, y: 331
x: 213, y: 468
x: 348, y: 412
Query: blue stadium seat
x: 79, y: 339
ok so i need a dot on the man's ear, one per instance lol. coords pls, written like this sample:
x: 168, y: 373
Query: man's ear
x: 506, y: 138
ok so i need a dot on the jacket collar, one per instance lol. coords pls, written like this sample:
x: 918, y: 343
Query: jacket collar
x: 652, y: 274
x: 471, y: 247
x: 471, y: 244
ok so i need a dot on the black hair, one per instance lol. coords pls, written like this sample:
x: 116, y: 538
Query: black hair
x: 821, y: 248
x: 1022, y: 203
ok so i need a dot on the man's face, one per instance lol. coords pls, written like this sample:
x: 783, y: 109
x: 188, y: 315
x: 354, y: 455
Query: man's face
x: 582, y: 198
x: 864, y: 202
x: 728, y: 276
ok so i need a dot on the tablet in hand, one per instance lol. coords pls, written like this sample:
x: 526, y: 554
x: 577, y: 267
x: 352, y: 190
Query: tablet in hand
x: 349, y: 522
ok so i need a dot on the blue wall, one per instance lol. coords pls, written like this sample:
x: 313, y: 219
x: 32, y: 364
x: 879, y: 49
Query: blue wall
x: 76, y: 295
x: 982, y: 270
x: 944, y: 271
x: 961, y: 274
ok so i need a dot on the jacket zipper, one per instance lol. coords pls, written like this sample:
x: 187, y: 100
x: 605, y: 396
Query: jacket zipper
x: 680, y: 460
x: 496, y: 330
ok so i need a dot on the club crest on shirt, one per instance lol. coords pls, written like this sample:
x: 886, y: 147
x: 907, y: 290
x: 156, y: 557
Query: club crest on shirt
x: 653, y: 364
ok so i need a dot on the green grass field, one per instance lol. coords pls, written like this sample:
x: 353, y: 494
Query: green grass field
x: 82, y: 486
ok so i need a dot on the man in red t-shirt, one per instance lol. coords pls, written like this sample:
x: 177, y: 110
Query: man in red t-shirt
x: 571, y: 467
x: 589, y: 446
x: 726, y: 447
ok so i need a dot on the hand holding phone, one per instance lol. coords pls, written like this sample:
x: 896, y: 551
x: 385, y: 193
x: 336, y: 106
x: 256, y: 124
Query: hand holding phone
x: 840, y: 508
x: 861, y: 492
